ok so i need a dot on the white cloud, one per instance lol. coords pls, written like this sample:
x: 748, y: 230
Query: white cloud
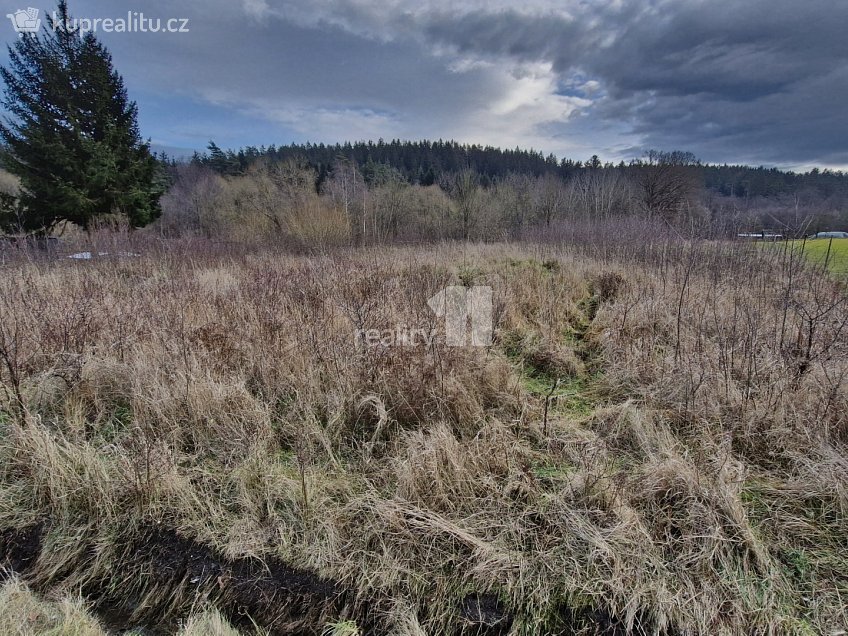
x: 527, y: 102
x: 327, y: 124
x: 256, y: 8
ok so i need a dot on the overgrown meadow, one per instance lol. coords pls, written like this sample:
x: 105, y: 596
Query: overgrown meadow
x: 192, y: 438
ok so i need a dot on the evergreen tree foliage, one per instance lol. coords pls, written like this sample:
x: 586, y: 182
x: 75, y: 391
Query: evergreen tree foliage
x: 72, y: 135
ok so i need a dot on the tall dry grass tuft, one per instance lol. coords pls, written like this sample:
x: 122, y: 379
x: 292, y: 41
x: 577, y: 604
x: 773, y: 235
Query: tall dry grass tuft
x: 24, y: 614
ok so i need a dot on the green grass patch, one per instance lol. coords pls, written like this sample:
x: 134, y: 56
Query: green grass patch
x: 572, y: 396
x: 552, y: 472
x: 832, y: 253
x: 108, y: 428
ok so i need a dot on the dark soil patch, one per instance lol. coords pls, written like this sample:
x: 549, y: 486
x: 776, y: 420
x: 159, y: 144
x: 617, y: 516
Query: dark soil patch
x: 600, y: 622
x: 19, y: 549
x: 161, y: 574
x: 485, y: 614
x: 249, y: 592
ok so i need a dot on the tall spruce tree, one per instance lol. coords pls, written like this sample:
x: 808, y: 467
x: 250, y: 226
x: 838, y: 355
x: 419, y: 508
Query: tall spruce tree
x: 72, y: 134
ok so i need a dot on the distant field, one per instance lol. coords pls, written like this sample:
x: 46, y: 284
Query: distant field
x: 833, y: 252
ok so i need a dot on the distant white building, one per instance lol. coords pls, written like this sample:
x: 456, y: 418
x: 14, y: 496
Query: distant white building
x: 762, y: 235
x: 824, y: 235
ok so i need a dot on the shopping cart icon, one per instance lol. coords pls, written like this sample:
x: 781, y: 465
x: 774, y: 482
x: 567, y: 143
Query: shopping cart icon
x: 25, y: 20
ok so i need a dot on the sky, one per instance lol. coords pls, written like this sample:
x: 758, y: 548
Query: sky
x: 763, y: 82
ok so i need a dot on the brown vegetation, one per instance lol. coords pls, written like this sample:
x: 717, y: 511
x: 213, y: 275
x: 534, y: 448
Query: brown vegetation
x: 279, y: 203
x: 655, y: 443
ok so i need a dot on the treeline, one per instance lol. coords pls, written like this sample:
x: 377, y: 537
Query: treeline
x: 418, y: 162
x: 376, y: 203
x: 748, y: 182
x: 425, y: 163
x: 366, y: 194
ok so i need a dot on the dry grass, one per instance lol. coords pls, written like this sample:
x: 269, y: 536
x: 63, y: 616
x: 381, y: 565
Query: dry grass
x: 23, y: 613
x: 690, y: 477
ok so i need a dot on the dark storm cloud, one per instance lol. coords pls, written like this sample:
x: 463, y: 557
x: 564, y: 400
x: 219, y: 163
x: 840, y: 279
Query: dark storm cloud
x: 759, y: 81
x: 763, y: 81
x: 510, y: 34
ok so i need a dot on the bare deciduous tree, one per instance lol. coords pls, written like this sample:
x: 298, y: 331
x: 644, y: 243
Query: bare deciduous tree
x: 667, y: 182
x: 549, y: 198
x: 600, y: 194
x: 464, y: 189
x: 346, y: 189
